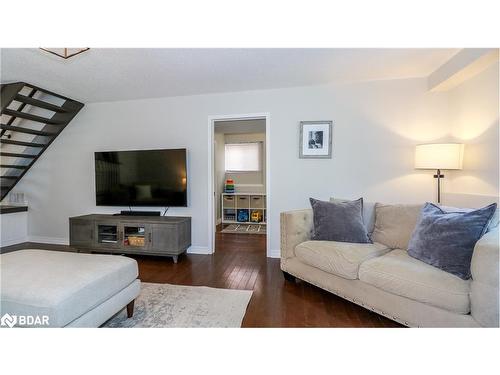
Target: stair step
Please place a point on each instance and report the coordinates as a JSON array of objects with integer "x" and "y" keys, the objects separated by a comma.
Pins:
[
  {"x": 39, "y": 103},
  {"x": 10, "y": 177},
  {"x": 20, "y": 143},
  {"x": 26, "y": 130},
  {"x": 31, "y": 117},
  {"x": 13, "y": 166},
  {"x": 15, "y": 155},
  {"x": 45, "y": 91}
]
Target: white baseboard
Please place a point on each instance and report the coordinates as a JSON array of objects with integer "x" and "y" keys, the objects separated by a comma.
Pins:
[
  {"x": 274, "y": 253},
  {"x": 198, "y": 250},
  {"x": 51, "y": 240},
  {"x": 13, "y": 241}
]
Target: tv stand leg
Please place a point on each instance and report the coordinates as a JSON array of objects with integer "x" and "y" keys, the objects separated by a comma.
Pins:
[{"x": 175, "y": 258}]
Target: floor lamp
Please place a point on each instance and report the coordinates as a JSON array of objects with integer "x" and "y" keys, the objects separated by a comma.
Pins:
[{"x": 439, "y": 156}]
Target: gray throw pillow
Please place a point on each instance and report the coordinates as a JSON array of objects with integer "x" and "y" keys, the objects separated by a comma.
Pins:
[
  {"x": 339, "y": 221},
  {"x": 446, "y": 239}
]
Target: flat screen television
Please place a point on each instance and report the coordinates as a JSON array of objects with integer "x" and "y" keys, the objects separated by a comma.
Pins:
[{"x": 141, "y": 178}]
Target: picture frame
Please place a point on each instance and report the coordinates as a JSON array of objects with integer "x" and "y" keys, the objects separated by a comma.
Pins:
[{"x": 315, "y": 141}]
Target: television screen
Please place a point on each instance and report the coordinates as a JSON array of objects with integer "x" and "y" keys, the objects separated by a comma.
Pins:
[{"x": 141, "y": 178}]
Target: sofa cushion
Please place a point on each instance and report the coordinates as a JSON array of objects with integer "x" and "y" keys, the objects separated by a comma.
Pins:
[
  {"x": 338, "y": 258},
  {"x": 495, "y": 221},
  {"x": 339, "y": 221},
  {"x": 398, "y": 273},
  {"x": 394, "y": 224},
  {"x": 61, "y": 285},
  {"x": 446, "y": 240}
]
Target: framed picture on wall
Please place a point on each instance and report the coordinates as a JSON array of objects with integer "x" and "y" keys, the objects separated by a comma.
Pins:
[{"x": 315, "y": 140}]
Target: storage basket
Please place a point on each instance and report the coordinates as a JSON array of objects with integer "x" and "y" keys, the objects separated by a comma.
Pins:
[
  {"x": 136, "y": 241},
  {"x": 256, "y": 201},
  {"x": 229, "y": 201},
  {"x": 243, "y": 201}
]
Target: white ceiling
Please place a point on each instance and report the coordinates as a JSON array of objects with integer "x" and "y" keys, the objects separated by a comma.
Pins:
[{"x": 121, "y": 74}]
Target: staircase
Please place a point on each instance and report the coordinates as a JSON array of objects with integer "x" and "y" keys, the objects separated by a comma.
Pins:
[{"x": 31, "y": 118}]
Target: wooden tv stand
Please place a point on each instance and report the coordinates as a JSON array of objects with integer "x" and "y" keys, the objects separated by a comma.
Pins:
[{"x": 147, "y": 235}]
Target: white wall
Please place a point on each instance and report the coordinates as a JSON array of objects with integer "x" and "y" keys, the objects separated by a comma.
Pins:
[
  {"x": 14, "y": 228},
  {"x": 474, "y": 108},
  {"x": 376, "y": 126}
]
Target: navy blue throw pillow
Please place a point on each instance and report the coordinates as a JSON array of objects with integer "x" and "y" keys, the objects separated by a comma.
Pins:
[
  {"x": 339, "y": 221},
  {"x": 446, "y": 240}
]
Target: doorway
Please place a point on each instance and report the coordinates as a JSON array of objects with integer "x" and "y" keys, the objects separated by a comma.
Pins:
[{"x": 239, "y": 188}]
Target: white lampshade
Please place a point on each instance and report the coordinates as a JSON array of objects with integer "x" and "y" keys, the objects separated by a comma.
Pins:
[{"x": 439, "y": 156}]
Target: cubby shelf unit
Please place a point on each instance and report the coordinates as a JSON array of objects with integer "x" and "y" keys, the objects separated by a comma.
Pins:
[{"x": 251, "y": 202}]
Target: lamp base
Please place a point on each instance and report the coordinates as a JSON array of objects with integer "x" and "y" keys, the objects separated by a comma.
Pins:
[{"x": 439, "y": 176}]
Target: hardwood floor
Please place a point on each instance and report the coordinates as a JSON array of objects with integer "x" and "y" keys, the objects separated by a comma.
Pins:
[{"x": 240, "y": 262}]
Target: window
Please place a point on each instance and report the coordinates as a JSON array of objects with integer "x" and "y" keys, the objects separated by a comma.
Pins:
[{"x": 243, "y": 157}]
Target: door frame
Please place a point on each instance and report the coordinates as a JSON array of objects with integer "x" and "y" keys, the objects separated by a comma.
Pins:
[{"x": 211, "y": 179}]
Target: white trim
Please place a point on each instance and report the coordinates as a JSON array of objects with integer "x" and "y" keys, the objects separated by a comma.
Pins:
[
  {"x": 199, "y": 250},
  {"x": 211, "y": 186},
  {"x": 248, "y": 185},
  {"x": 49, "y": 240},
  {"x": 274, "y": 253},
  {"x": 13, "y": 241}
]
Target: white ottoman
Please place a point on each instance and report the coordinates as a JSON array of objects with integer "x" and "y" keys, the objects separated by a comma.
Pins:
[{"x": 71, "y": 289}]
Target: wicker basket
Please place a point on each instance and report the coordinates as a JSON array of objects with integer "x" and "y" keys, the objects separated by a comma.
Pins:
[{"x": 136, "y": 241}]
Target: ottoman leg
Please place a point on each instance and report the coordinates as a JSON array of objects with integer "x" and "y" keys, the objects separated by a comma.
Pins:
[{"x": 130, "y": 309}]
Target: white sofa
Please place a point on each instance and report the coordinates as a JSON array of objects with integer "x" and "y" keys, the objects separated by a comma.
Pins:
[
  {"x": 66, "y": 289},
  {"x": 383, "y": 278}
]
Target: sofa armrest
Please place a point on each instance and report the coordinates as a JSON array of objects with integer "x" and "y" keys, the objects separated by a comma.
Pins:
[
  {"x": 296, "y": 227},
  {"x": 484, "y": 286}
]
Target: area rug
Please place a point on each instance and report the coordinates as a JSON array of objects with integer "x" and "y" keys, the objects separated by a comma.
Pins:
[
  {"x": 166, "y": 305},
  {"x": 245, "y": 228}
]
